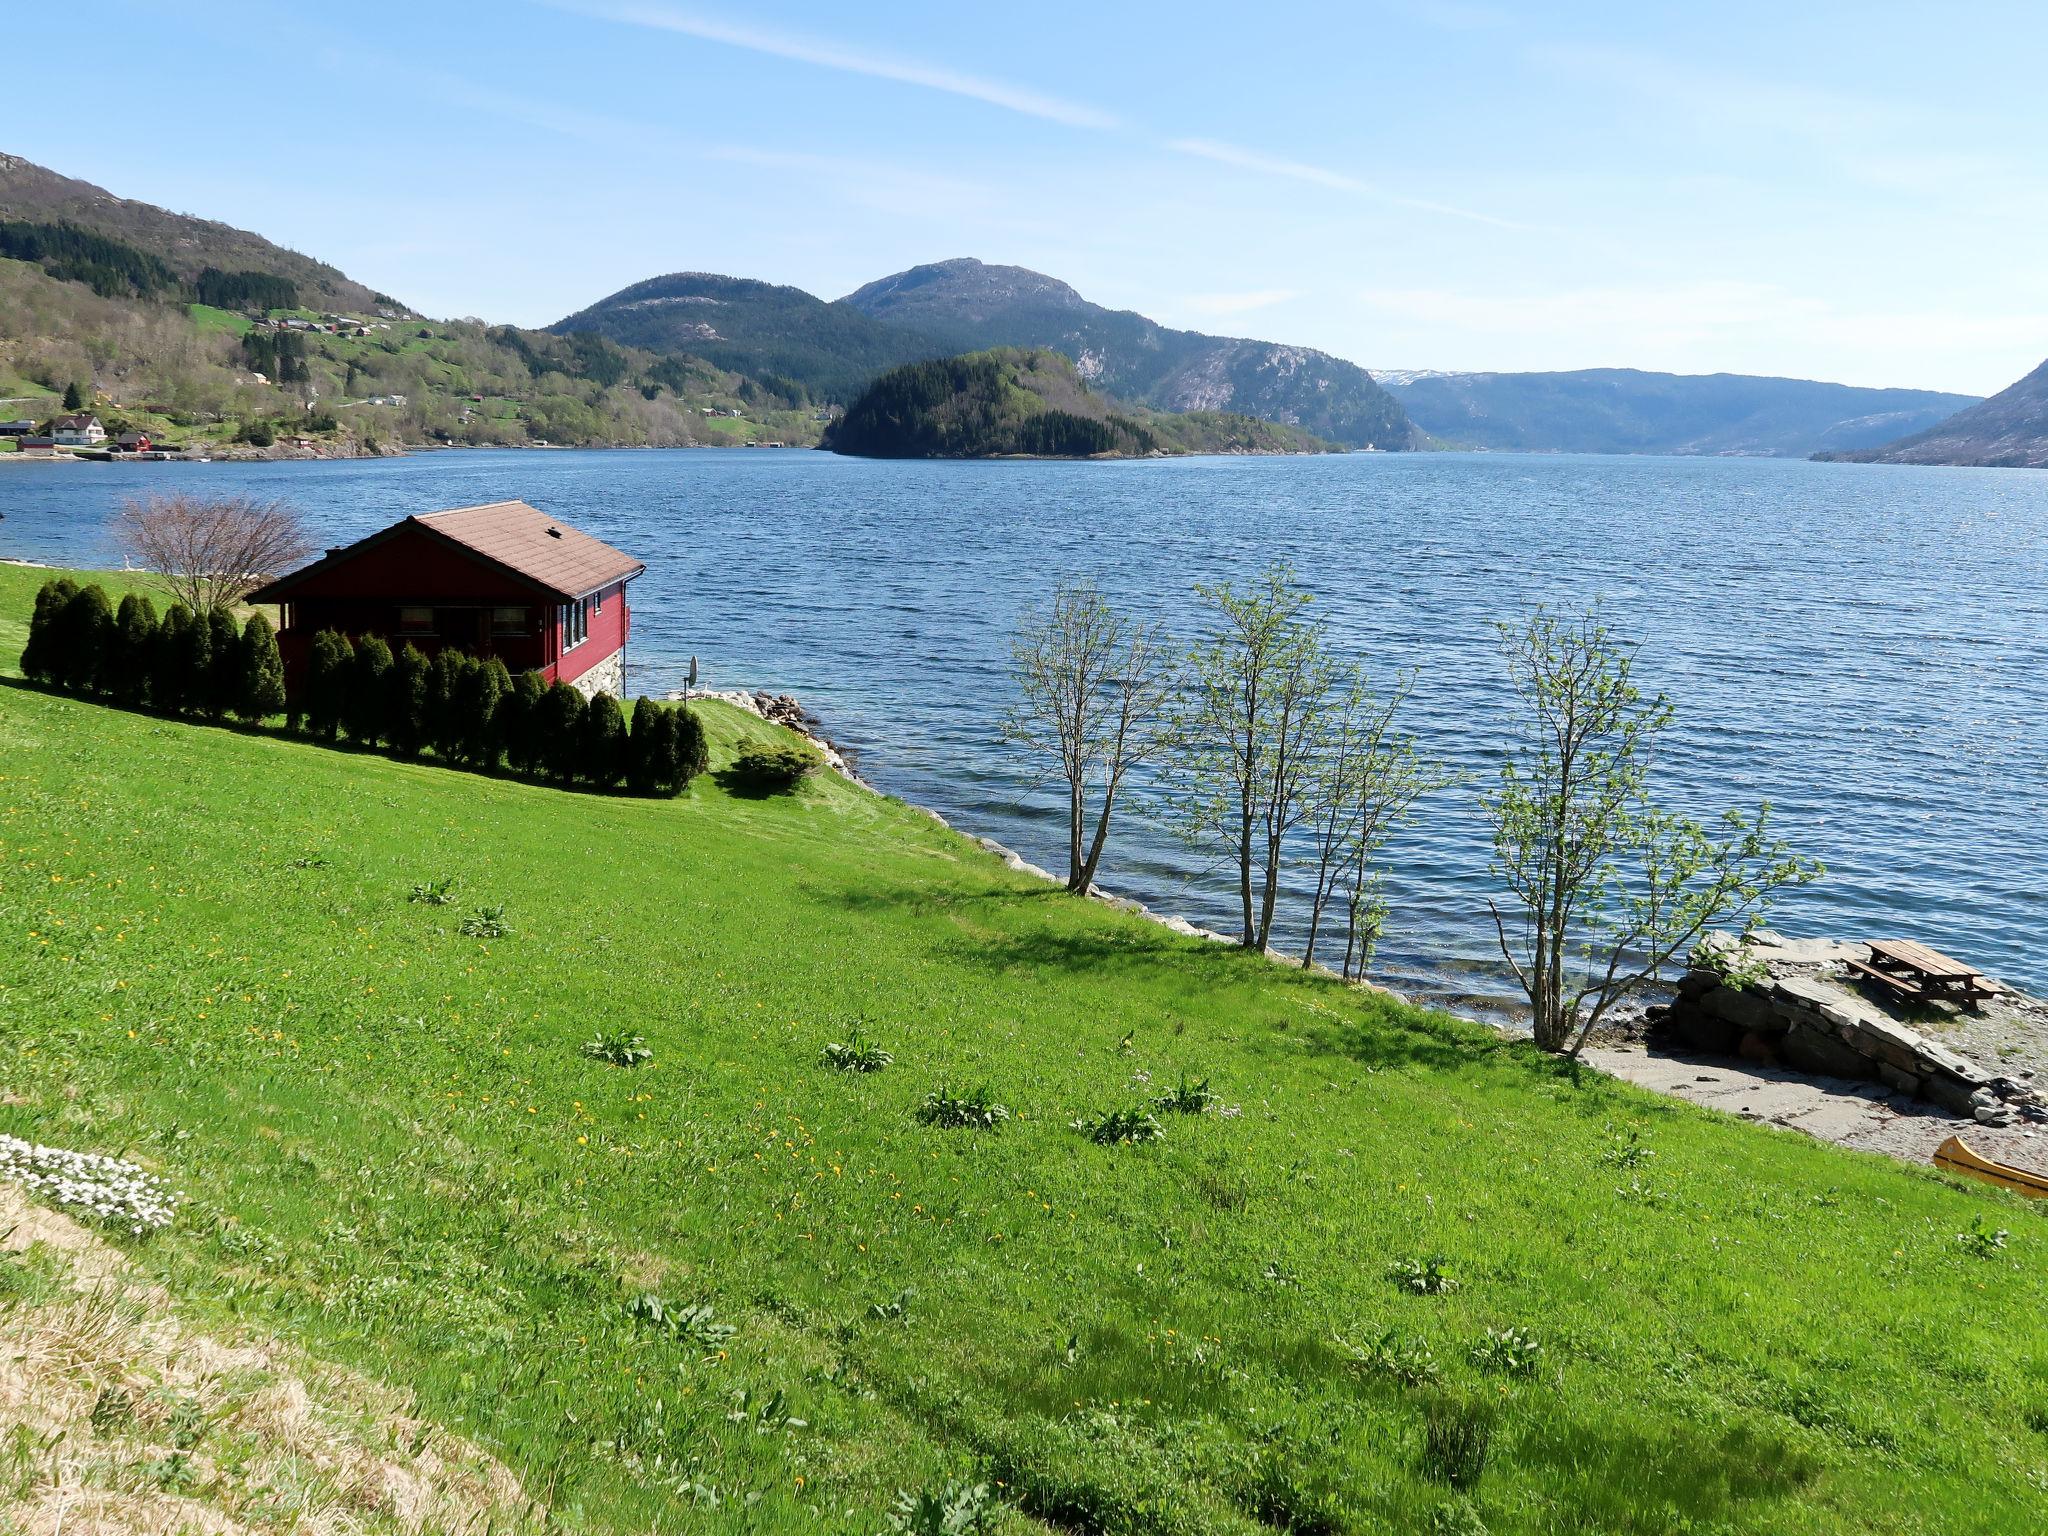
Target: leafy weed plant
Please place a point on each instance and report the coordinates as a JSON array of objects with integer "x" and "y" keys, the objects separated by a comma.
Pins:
[
  {"x": 618, "y": 1047},
  {"x": 857, "y": 1053},
  {"x": 1120, "y": 1127},
  {"x": 1428, "y": 1275},
  {"x": 976, "y": 1110}
]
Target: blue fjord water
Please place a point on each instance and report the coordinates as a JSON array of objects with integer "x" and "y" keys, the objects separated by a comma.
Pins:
[{"x": 1866, "y": 647}]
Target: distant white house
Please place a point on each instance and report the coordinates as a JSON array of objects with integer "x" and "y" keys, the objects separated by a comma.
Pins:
[
  {"x": 385, "y": 400},
  {"x": 78, "y": 431}
]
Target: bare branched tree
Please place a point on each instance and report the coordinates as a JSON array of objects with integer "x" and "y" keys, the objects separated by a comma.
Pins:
[
  {"x": 1368, "y": 778},
  {"x": 1255, "y": 711},
  {"x": 1606, "y": 887},
  {"x": 1095, "y": 687},
  {"x": 211, "y": 552}
]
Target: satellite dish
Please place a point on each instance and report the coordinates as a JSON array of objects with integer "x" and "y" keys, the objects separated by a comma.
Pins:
[{"x": 693, "y": 671}]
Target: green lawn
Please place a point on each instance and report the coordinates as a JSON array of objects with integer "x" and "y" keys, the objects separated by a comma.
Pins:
[
  {"x": 397, "y": 1156},
  {"x": 208, "y": 317}
]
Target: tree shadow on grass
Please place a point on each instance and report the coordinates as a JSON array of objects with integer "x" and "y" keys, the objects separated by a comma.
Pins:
[{"x": 1011, "y": 931}]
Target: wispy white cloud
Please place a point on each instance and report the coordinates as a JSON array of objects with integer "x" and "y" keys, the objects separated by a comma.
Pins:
[
  {"x": 826, "y": 53},
  {"x": 1238, "y": 303},
  {"x": 1263, "y": 164}
]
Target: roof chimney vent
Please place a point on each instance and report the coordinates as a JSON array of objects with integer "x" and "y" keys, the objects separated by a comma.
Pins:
[
  {"x": 554, "y": 533},
  {"x": 336, "y": 550}
]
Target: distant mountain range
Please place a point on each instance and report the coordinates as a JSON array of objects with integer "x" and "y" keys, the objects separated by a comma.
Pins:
[
  {"x": 172, "y": 323},
  {"x": 1622, "y": 410},
  {"x": 2008, "y": 431},
  {"x": 784, "y": 336},
  {"x": 1032, "y": 402}
]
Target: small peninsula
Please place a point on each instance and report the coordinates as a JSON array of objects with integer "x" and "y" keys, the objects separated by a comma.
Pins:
[{"x": 1029, "y": 402}]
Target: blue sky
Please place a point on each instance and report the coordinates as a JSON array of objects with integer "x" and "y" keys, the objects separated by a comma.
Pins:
[{"x": 1839, "y": 191}]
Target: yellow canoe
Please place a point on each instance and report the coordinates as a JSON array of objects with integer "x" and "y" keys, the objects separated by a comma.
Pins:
[{"x": 1952, "y": 1156}]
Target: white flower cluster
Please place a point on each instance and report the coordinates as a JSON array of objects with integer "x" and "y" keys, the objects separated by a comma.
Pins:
[{"x": 108, "y": 1189}]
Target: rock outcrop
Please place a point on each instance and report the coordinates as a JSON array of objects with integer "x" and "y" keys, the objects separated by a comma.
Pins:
[{"x": 1791, "y": 1002}]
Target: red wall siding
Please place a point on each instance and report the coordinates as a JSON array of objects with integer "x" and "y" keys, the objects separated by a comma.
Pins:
[
  {"x": 363, "y": 595},
  {"x": 608, "y": 630}
]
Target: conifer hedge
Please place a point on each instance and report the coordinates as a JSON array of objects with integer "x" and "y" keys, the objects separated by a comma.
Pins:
[{"x": 469, "y": 710}]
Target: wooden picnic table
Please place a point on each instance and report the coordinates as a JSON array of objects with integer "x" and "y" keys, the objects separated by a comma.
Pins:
[{"x": 1918, "y": 974}]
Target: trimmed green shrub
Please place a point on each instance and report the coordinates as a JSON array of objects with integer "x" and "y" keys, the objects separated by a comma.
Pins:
[
  {"x": 647, "y": 747},
  {"x": 260, "y": 692},
  {"x": 406, "y": 722},
  {"x": 519, "y": 722},
  {"x": 130, "y": 658},
  {"x": 223, "y": 664},
  {"x": 192, "y": 662},
  {"x": 774, "y": 767},
  {"x": 364, "y": 712},
  {"x": 693, "y": 752},
  {"x": 167, "y": 681},
  {"x": 444, "y": 731},
  {"x": 604, "y": 742},
  {"x": 39, "y": 656},
  {"x": 560, "y": 720},
  {"x": 475, "y": 704},
  {"x": 80, "y": 634},
  {"x": 328, "y": 666}
]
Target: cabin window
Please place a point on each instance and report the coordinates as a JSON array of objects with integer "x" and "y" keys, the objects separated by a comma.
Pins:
[
  {"x": 415, "y": 621},
  {"x": 508, "y": 621},
  {"x": 575, "y": 621}
]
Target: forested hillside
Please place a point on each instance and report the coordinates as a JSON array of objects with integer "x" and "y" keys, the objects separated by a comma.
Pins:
[
  {"x": 213, "y": 338},
  {"x": 967, "y": 304},
  {"x": 788, "y": 339},
  {"x": 185, "y": 245},
  {"x": 1014, "y": 401},
  {"x": 2008, "y": 431}
]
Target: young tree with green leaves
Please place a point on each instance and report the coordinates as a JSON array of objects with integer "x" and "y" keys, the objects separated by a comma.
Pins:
[
  {"x": 74, "y": 397},
  {"x": 261, "y": 693},
  {"x": 1095, "y": 687},
  {"x": 1605, "y": 888},
  {"x": 330, "y": 663},
  {"x": 1368, "y": 778},
  {"x": 367, "y": 688},
  {"x": 1248, "y": 734}
]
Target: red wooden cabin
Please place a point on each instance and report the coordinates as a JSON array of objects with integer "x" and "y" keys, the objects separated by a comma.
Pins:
[{"x": 501, "y": 580}]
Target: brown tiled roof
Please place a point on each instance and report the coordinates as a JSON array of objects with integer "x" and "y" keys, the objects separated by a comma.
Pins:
[
  {"x": 525, "y": 539},
  {"x": 510, "y": 534}
]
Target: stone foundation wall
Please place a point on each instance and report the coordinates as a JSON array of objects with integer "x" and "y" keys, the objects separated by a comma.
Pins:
[
  {"x": 608, "y": 676},
  {"x": 1788, "y": 1008}
]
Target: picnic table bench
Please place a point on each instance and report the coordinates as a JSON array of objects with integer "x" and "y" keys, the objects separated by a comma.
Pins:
[{"x": 1914, "y": 973}]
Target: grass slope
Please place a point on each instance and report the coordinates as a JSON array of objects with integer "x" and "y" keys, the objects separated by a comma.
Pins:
[{"x": 398, "y": 1157}]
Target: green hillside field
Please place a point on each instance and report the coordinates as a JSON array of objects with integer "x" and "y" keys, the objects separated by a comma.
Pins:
[{"x": 397, "y": 1157}]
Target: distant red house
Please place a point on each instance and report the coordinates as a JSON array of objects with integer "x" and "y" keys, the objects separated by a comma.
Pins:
[{"x": 501, "y": 580}]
